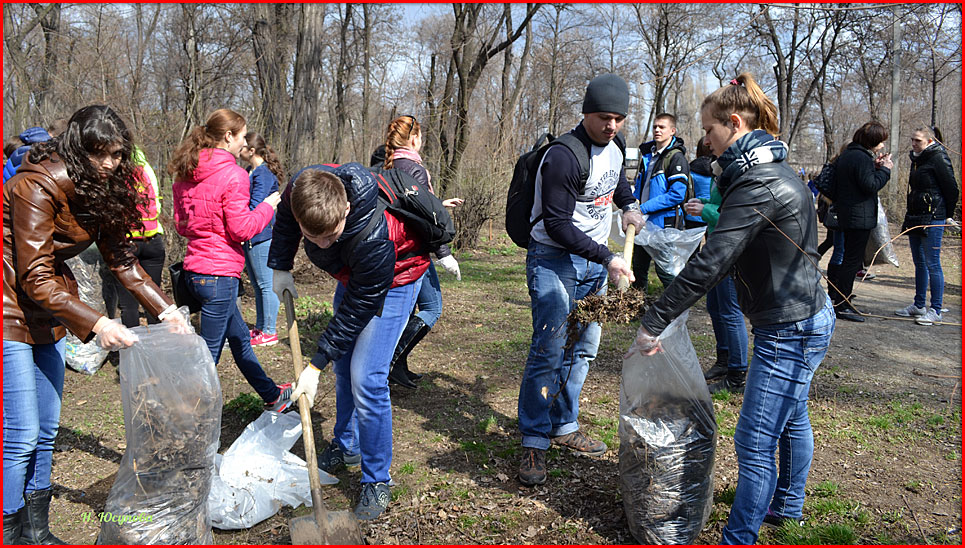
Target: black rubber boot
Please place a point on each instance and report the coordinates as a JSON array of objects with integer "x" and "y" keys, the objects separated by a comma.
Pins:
[
  {"x": 719, "y": 368},
  {"x": 399, "y": 373},
  {"x": 34, "y": 517},
  {"x": 11, "y": 528},
  {"x": 733, "y": 382}
]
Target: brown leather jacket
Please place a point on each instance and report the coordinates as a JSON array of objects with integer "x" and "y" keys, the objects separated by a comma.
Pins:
[{"x": 40, "y": 232}]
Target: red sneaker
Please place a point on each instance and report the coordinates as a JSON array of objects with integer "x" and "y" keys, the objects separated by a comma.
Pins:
[
  {"x": 264, "y": 339},
  {"x": 253, "y": 333}
]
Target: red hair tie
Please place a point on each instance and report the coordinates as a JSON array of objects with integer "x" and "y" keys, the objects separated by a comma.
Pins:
[{"x": 734, "y": 82}]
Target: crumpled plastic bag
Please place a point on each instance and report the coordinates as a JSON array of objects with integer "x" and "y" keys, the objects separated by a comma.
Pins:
[
  {"x": 668, "y": 437},
  {"x": 86, "y": 358},
  {"x": 172, "y": 418},
  {"x": 880, "y": 239},
  {"x": 670, "y": 248},
  {"x": 258, "y": 475}
]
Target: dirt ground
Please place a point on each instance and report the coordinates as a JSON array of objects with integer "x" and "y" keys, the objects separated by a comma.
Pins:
[{"x": 885, "y": 405}]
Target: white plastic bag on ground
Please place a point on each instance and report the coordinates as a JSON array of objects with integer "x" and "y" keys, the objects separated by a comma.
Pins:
[
  {"x": 668, "y": 436},
  {"x": 258, "y": 474},
  {"x": 86, "y": 358},
  {"x": 172, "y": 419},
  {"x": 670, "y": 248},
  {"x": 881, "y": 236}
]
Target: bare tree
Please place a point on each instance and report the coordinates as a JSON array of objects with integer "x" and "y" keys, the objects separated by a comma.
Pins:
[
  {"x": 301, "y": 138},
  {"x": 270, "y": 39}
]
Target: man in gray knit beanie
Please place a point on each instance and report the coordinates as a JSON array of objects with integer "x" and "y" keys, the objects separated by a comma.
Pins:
[{"x": 607, "y": 93}]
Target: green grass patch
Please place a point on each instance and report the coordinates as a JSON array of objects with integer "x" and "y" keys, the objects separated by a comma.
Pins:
[
  {"x": 726, "y": 496},
  {"x": 488, "y": 425},
  {"x": 246, "y": 407},
  {"x": 831, "y": 507},
  {"x": 827, "y": 489},
  {"x": 406, "y": 468}
]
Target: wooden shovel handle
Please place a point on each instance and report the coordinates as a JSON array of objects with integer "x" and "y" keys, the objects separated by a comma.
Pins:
[{"x": 624, "y": 283}]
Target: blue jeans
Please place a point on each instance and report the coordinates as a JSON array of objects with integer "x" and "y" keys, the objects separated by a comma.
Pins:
[
  {"x": 775, "y": 415},
  {"x": 266, "y": 302},
  {"x": 33, "y": 384},
  {"x": 926, "y": 254},
  {"x": 837, "y": 254},
  {"x": 728, "y": 321},
  {"x": 220, "y": 320},
  {"x": 430, "y": 298},
  {"x": 363, "y": 411},
  {"x": 549, "y": 395}
]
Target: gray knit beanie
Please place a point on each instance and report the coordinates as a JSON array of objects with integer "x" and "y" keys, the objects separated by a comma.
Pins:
[{"x": 607, "y": 93}]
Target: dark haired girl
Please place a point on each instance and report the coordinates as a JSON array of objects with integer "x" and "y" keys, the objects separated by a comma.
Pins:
[
  {"x": 71, "y": 191},
  {"x": 264, "y": 176}
]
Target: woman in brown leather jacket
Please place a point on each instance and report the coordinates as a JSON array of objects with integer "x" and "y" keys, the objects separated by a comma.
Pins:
[{"x": 71, "y": 191}]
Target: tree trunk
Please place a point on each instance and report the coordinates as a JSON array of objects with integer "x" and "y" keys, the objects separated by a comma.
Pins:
[
  {"x": 268, "y": 32},
  {"x": 308, "y": 64},
  {"x": 341, "y": 76}
]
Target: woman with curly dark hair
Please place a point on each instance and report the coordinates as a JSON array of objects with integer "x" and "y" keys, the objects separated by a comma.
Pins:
[
  {"x": 71, "y": 191},
  {"x": 264, "y": 176}
]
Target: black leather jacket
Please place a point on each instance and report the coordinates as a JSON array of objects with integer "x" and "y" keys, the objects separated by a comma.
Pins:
[{"x": 766, "y": 214}]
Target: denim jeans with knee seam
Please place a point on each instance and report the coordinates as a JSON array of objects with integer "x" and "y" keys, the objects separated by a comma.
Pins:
[
  {"x": 33, "y": 386},
  {"x": 430, "y": 298},
  {"x": 363, "y": 410},
  {"x": 266, "y": 302},
  {"x": 774, "y": 417},
  {"x": 549, "y": 395},
  {"x": 926, "y": 254},
  {"x": 220, "y": 320},
  {"x": 728, "y": 321}
]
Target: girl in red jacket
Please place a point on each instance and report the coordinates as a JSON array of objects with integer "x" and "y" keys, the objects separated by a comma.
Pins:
[{"x": 211, "y": 210}]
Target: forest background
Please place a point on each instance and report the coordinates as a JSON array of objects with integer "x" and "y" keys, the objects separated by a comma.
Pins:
[{"x": 322, "y": 81}]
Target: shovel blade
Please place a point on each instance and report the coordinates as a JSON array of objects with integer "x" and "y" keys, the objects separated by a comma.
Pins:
[{"x": 328, "y": 528}]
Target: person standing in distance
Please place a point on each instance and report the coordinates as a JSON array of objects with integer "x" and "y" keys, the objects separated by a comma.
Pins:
[{"x": 567, "y": 260}]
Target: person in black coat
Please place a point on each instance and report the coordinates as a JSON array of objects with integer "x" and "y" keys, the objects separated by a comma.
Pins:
[
  {"x": 860, "y": 172},
  {"x": 932, "y": 197}
]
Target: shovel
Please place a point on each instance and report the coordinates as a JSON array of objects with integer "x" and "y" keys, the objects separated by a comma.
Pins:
[
  {"x": 321, "y": 526},
  {"x": 624, "y": 283}
]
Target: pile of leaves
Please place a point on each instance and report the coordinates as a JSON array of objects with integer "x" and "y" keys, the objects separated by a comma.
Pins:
[{"x": 612, "y": 308}]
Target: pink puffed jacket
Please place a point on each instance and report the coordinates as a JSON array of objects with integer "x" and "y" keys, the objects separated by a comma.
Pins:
[{"x": 211, "y": 211}]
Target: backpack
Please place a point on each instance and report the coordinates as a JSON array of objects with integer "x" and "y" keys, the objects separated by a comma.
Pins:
[
  {"x": 824, "y": 182},
  {"x": 522, "y": 187},
  {"x": 400, "y": 195}
]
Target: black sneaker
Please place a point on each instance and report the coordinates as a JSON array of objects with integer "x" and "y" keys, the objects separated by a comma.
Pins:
[
  {"x": 532, "y": 468},
  {"x": 733, "y": 382},
  {"x": 334, "y": 459},
  {"x": 373, "y": 501}
]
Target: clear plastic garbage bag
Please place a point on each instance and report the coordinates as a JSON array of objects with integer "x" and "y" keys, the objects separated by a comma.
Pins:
[
  {"x": 670, "y": 248},
  {"x": 172, "y": 418},
  {"x": 880, "y": 236},
  {"x": 86, "y": 358},
  {"x": 258, "y": 475},
  {"x": 668, "y": 436}
]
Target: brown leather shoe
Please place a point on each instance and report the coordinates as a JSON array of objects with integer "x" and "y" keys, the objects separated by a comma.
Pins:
[{"x": 578, "y": 443}]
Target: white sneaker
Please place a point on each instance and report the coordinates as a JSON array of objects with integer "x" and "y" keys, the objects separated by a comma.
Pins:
[
  {"x": 929, "y": 318},
  {"x": 910, "y": 310}
]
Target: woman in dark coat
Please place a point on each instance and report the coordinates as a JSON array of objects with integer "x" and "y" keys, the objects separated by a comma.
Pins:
[
  {"x": 860, "y": 172},
  {"x": 932, "y": 196}
]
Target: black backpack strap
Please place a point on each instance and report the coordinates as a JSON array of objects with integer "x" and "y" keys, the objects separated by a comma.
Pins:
[
  {"x": 349, "y": 246},
  {"x": 578, "y": 149}
]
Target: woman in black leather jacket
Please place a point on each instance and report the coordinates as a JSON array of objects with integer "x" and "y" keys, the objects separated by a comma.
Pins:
[
  {"x": 859, "y": 173},
  {"x": 932, "y": 197},
  {"x": 766, "y": 236}
]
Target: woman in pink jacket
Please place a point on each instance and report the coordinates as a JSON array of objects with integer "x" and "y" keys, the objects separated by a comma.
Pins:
[{"x": 211, "y": 211}]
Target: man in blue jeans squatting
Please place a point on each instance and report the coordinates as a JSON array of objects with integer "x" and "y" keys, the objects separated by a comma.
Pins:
[
  {"x": 567, "y": 260},
  {"x": 379, "y": 265}
]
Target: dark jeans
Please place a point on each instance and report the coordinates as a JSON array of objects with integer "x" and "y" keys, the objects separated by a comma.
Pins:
[
  {"x": 855, "y": 242},
  {"x": 150, "y": 253},
  {"x": 220, "y": 320}
]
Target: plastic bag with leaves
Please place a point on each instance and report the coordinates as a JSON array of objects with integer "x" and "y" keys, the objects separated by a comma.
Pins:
[
  {"x": 172, "y": 419},
  {"x": 668, "y": 436}
]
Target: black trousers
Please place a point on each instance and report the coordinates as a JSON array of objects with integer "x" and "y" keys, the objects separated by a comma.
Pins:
[
  {"x": 855, "y": 242},
  {"x": 150, "y": 253}
]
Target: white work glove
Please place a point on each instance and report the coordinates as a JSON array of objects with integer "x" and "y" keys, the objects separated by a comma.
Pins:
[
  {"x": 112, "y": 335},
  {"x": 307, "y": 384},
  {"x": 451, "y": 265},
  {"x": 952, "y": 222},
  {"x": 282, "y": 280},
  {"x": 635, "y": 218},
  {"x": 177, "y": 320},
  {"x": 645, "y": 343}
]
